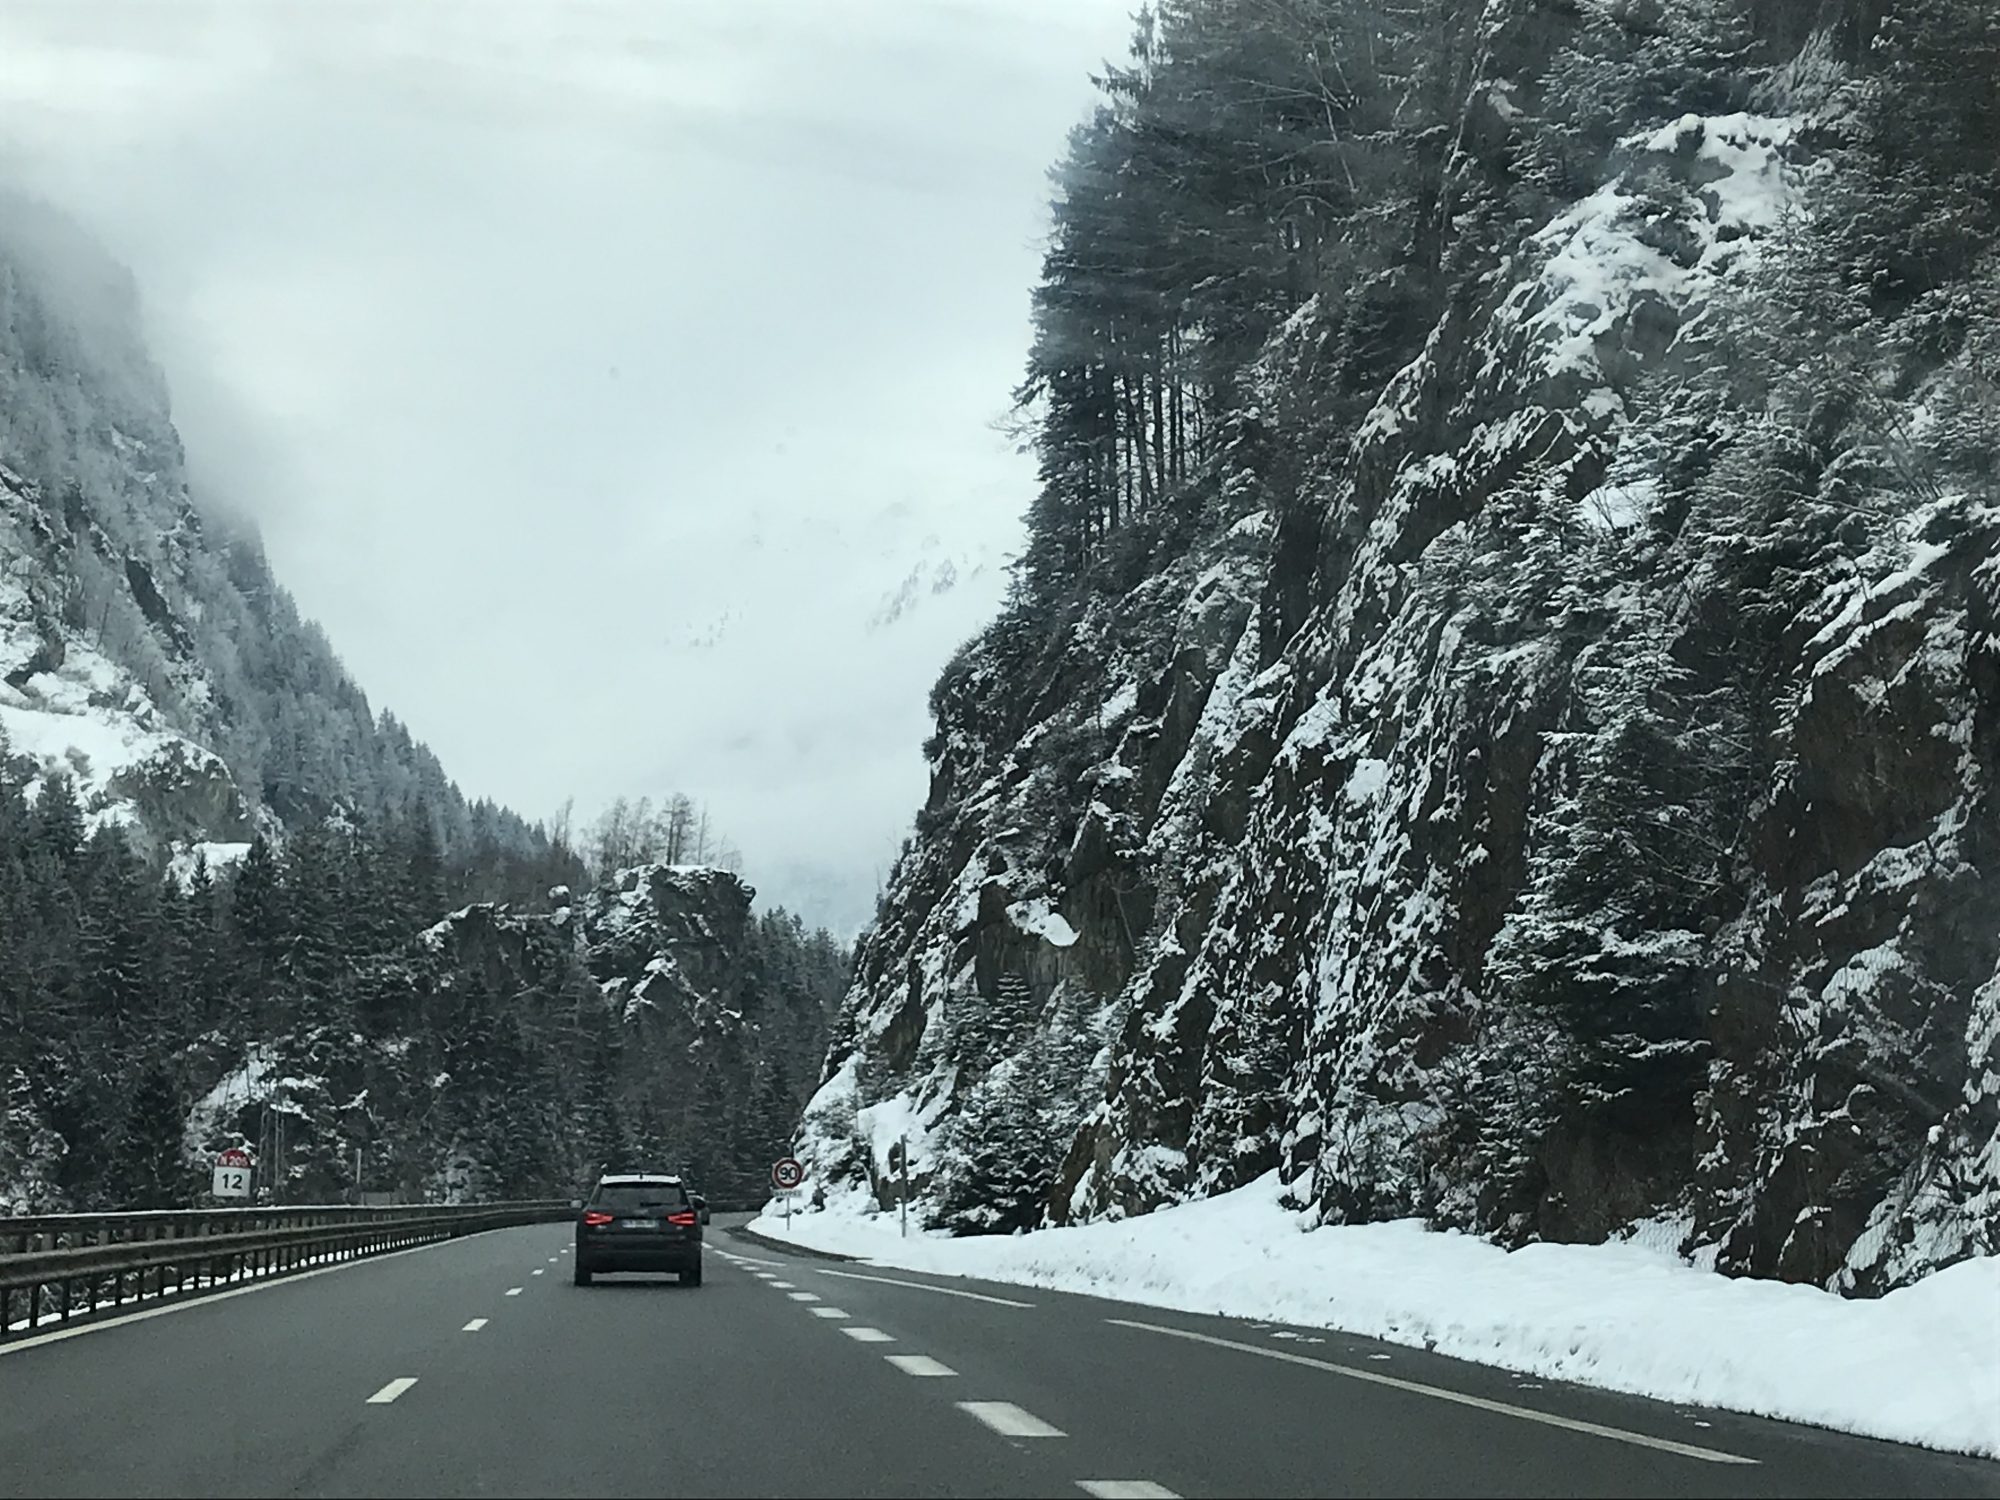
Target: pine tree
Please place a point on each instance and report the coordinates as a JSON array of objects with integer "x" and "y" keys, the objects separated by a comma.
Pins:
[
  {"x": 150, "y": 1146},
  {"x": 424, "y": 896},
  {"x": 57, "y": 827},
  {"x": 318, "y": 906},
  {"x": 257, "y": 914},
  {"x": 208, "y": 984},
  {"x": 121, "y": 946}
]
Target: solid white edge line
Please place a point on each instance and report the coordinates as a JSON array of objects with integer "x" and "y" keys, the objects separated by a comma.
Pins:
[
  {"x": 1007, "y": 1419},
  {"x": 474, "y": 1326},
  {"x": 1501, "y": 1408},
  {"x": 203, "y": 1299},
  {"x": 925, "y": 1286},
  {"x": 1126, "y": 1489},
  {"x": 391, "y": 1391},
  {"x": 919, "y": 1364}
]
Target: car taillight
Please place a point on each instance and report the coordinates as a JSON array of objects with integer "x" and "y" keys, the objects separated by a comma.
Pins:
[
  {"x": 596, "y": 1219},
  {"x": 685, "y": 1217}
]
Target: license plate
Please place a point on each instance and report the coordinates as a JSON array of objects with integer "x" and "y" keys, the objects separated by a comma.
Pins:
[{"x": 641, "y": 1224}]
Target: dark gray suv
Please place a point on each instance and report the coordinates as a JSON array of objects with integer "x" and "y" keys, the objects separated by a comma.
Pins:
[{"x": 640, "y": 1221}]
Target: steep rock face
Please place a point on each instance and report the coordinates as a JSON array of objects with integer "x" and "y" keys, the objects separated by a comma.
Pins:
[
  {"x": 1557, "y": 800},
  {"x": 666, "y": 936},
  {"x": 511, "y": 1053}
]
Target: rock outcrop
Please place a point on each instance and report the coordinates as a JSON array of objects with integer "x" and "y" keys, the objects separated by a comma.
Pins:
[{"x": 1546, "y": 788}]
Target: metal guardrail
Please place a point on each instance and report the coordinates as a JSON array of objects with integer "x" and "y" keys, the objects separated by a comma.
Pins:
[{"x": 62, "y": 1267}]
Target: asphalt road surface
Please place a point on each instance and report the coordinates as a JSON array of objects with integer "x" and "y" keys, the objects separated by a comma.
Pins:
[{"x": 475, "y": 1367}]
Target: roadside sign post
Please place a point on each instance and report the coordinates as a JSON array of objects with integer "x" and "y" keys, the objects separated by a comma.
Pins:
[
  {"x": 786, "y": 1175},
  {"x": 906, "y": 1184},
  {"x": 232, "y": 1174}
]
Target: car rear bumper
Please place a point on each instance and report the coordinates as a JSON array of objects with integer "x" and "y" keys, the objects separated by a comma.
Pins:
[{"x": 683, "y": 1257}]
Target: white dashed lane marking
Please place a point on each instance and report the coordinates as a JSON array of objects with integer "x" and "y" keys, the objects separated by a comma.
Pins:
[
  {"x": 826, "y": 1312},
  {"x": 474, "y": 1326},
  {"x": 1126, "y": 1489},
  {"x": 869, "y": 1335},
  {"x": 1007, "y": 1419},
  {"x": 925, "y": 1286},
  {"x": 392, "y": 1390},
  {"x": 513, "y": 1291},
  {"x": 783, "y": 1286},
  {"x": 536, "y": 1272},
  {"x": 1502, "y": 1408},
  {"x": 918, "y": 1364},
  {"x": 803, "y": 1296}
]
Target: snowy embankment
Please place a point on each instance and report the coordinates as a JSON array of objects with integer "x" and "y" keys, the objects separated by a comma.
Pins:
[{"x": 1921, "y": 1365}]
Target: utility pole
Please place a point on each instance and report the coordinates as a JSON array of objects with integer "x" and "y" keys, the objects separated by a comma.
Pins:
[{"x": 264, "y": 1159}]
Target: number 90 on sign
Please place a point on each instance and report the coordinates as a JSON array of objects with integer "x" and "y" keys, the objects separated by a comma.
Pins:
[{"x": 231, "y": 1182}]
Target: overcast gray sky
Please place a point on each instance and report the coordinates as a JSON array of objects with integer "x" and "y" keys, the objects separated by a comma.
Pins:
[{"x": 613, "y": 380}]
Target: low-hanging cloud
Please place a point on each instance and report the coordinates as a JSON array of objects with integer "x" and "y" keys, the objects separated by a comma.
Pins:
[{"x": 599, "y": 373}]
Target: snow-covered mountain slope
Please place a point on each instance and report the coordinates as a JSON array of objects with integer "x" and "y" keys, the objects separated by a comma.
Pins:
[
  {"x": 69, "y": 708},
  {"x": 144, "y": 646},
  {"x": 1540, "y": 790}
]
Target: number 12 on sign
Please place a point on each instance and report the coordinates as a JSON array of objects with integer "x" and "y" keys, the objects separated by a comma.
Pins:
[{"x": 231, "y": 1182}]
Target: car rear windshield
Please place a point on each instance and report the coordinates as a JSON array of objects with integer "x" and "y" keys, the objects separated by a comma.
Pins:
[{"x": 632, "y": 1197}]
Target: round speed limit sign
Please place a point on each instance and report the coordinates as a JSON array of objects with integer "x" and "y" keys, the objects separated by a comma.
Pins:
[{"x": 787, "y": 1174}]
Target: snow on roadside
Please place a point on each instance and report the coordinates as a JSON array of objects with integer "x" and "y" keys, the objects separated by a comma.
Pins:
[{"x": 1921, "y": 1365}]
